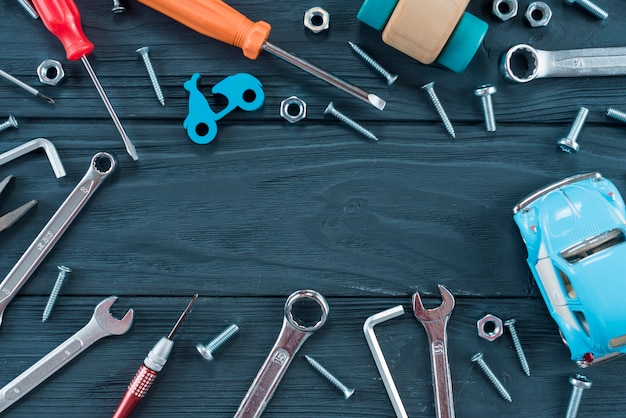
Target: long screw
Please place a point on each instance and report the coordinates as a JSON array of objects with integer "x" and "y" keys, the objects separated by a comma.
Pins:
[
  {"x": 63, "y": 270},
  {"x": 330, "y": 109},
  {"x": 11, "y": 122},
  {"x": 510, "y": 324},
  {"x": 569, "y": 144},
  {"x": 347, "y": 392},
  {"x": 143, "y": 51},
  {"x": 207, "y": 350},
  {"x": 29, "y": 8},
  {"x": 391, "y": 78},
  {"x": 478, "y": 358},
  {"x": 430, "y": 90},
  {"x": 579, "y": 383},
  {"x": 484, "y": 92},
  {"x": 117, "y": 7},
  {"x": 616, "y": 114},
  {"x": 591, "y": 7}
]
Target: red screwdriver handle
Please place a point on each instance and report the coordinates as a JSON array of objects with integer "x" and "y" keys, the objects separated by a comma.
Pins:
[
  {"x": 62, "y": 18},
  {"x": 137, "y": 389}
]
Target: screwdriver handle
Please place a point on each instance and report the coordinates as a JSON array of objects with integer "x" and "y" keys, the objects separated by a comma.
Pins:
[
  {"x": 217, "y": 20},
  {"x": 137, "y": 389},
  {"x": 62, "y": 18}
]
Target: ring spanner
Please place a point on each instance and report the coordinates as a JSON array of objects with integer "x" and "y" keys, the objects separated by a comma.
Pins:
[
  {"x": 101, "y": 325},
  {"x": 292, "y": 336},
  {"x": 102, "y": 165}
]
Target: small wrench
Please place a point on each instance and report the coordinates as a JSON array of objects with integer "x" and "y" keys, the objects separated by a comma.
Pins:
[
  {"x": 101, "y": 325},
  {"x": 292, "y": 336},
  {"x": 435, "y": 321},
  {"x": 102, "y": 165},
  {"x": 567, "y": 63}
]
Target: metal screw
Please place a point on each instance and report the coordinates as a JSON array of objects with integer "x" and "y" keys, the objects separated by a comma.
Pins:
[
  {"x": 11, "y": 122},
  {"x": 510, "y": 324},
  {"x": 484, "y": 92},
  {"x": 347, "y": 392},
  {"x": 155, "y": 83},
  {"x": 29, "y": 8},
  {"x": 616, "y": 114},
  {"x": 591, "y": 7},
  {"x": 478, "y": 358},
  {"x": 391, "y": 78},
  {"x": 430, "y": 90},
  {"x": 117, "y": 7},
  {"x": 579, "y": 383},
  {"x": 207, "y": 350},
  {"x": 569, "y": 144},
  {"x": 330, "y": 109},
  {"x": 55, "y": 291}
]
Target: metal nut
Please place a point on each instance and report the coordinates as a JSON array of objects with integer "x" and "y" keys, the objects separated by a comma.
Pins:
[
  {"x": 489, "y": 327},
  {"x": 50, "y": 72},
  {"x": 538, "y": 14},
  {"x": 293, "y": 109},
  {"x": 316, "y": 19},
  {"x": 504, "y": 9}
]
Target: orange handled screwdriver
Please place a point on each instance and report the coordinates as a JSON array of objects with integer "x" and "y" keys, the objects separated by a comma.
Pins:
[
  {"x": 62, "y": 18},
  {"x": 217, "y": 20}
]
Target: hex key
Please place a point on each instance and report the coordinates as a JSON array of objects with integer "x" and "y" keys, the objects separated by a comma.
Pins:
[{"x": 51, "y": 152}]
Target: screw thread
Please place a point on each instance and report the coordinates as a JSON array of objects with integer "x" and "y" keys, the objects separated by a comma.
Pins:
[
  {"x": 11, "y": 122},
  {"x": 578, "y": 123},
  {"x": 55, "y": 292},
  {"x": 373, "y": 63},
  {"x": 574, "y": 403},
  {"x": 490, "y": 120},
  {"x": 349, "y": 122},
  {"x": 593, "y": 8},
  {"x": 29, "y": 8},
  {"x": 332, "y": 379},
  {"x": 152, "y": 75},
  {"x": 616, "y": 114},
  {"x": 221, "y": 338},
  {"x": 430, "y": 90},
  {"x": 493, "y": 379},
  {"x": 518, "y": 348}
]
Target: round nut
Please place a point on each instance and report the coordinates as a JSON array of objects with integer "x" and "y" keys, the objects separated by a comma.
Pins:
[
  {"x": 489, "y": 327},
  {"x": 316, "y": 19},
  {"x": 538, "y": 14},
  {"x": 504, "y": 9},
  {"x": 50, "y": 72},
  {"x": 293, "y": 109}
]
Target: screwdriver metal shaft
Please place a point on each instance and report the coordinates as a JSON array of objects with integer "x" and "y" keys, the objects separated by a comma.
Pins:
[{"x": 25, "y": 86}]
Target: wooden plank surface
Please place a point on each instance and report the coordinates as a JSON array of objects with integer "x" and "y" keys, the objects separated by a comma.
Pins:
[{"x": 269, "y": 207}]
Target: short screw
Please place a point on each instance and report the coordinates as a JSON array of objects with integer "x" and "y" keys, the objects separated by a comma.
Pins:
[
  {"x": 510, "y": 324},
  {"x": 347, "y": 392},
  {"x": 616, "y": 114},
  {"x": 478, "y": 358},
  {"x": 207, "y": 350},
  {"x": 569, "y": 144},
  {"x": 484, "y": 92},
  {"x": 330, "y": 109},
  {"x": 579, "y": 383},
  {"x": 55, "y": 291},
  {"x": 155, "y": 83},
  {"x": 591, "y": 7},
  {"x": 430, "y": 90},
  {"x": 391, "y": 78},
  {"x": 29, "y": 8},
  {"x": 11, "y": 122},
  {"x": 117, "y": 7}
]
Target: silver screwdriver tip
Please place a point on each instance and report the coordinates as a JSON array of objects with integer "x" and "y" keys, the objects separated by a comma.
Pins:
[
  {"x": 46, "y": 98},
  {"x": 376, "y": 101},
  {"x": 130, "y": 149}
]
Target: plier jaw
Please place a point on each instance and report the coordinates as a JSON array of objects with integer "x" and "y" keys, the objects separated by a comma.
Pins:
[{"x": 10, "y": 218}]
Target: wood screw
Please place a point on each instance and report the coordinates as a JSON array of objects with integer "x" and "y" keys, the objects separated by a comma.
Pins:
[
  {"x": 55, "y": 291},
  {"x": 391, "y": 78},
  {"x": 430, "y": 90},
  {"x": 579, "y": 383},
  {"x": 143, "y": 51},
  {"x": 207, "y": 350},
  {"x": 569, "y": 144},
  {"x": 11, "y": 122},
  {"x": 616, "y": 114},
  {"x": 591, "y": 7},
  {"x": 117, "y": 7},
  {"x": 510, "y": 324},
  {"x": 347, "y": 392},
  {"x": 330, "y": 109},
  {"x": 478, "y": 358},
  {"x": 29, "y": 8},
  {"x": 484, "y": 92}
]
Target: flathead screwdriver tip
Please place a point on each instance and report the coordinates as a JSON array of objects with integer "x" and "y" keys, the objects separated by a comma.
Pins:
[
  {"x": 376, "y": 101},
  {"x": 182, "y": 317},
  {"x": 46, "y": 98}
]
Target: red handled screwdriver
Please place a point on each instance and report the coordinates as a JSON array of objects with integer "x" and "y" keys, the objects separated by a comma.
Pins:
[
  {"x": 149, "y": 370},
  {"x": 62, "y": 18}
]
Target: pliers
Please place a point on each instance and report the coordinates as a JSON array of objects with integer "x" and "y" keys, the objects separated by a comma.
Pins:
[{"x": 10, "y": 218}]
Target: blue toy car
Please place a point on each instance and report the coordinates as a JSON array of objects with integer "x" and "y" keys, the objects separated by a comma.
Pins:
[{"x": 574, "y": 231}]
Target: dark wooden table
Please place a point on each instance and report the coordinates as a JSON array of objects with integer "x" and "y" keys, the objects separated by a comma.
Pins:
[{"x": 269, "y": 208}]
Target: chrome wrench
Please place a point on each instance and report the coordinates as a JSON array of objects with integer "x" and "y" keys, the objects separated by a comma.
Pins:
[
  {"x": 102, "y": 165},
  {"x": 101, "y": 325},
  {"x": 567, "y": 63},
  {"x": 292, "y": 336},
  {"x": 435, "y": 321}
]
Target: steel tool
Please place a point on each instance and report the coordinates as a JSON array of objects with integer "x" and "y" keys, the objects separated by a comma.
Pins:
[
  {"x": 102, "y": 165},
  {"x": 10, "y": 218},
  {"x": 567, "y": 63},
  {"x": 435, "y": 321},
  {"x": 292, "y": 336},
  {"x": 25, "y": 86},
  {"x": 102, "y": 324},
  {"x": 48, "y": 147}
]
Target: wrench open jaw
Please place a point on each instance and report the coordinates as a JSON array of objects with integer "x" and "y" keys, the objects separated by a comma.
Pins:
[
  {"x": 109, "y": 323},
  {"x": 442, "y": 311}
]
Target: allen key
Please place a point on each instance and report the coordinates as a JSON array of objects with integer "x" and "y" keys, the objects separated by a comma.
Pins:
[{"x": 48, "y": 147}]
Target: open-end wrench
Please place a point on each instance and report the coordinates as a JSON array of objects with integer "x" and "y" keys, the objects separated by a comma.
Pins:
[
  {"x": 292, "y": 336},
  {"x": 523, "y": 63},
  {"x": 101, "y": 325},
  {"x": 435, "y": 321},
  {"x": 102, "y": 165}
]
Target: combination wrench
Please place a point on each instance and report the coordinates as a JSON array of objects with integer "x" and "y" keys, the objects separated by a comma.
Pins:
[
  {"x": 292, "y": 336},
  {"x": 102, "y": 324},
  {"x": 102, "y": 165}
]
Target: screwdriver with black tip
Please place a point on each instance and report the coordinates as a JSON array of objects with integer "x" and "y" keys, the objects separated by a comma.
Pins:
[{"x": 62, "y": 18}]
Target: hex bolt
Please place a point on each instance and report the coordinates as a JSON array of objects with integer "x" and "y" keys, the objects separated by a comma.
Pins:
[
  {"x": 616, "y": 114},
  {"x": 207, "y": 350},
  {"x": 391, "y": 78},
  {"x": 569, "y": 144},
  {"x": 589, "y": 6},
  {"x": 347, "y": 392},
  {"x": 430, "y": 90},
  {"x": 330, "y": 109},
  {"x": 484, "y": 92},
  {"x": 478, "y": 358},
  {"x": 579, "y": 383},
  {"x": 30, "y": 9},
  {"x": 117, "y": 7},
  {"x": 510, "y": 324},
  {"x": 63, "y": 270},
  {"x": 11, "y": 122},
  {"x": 143, "y": 51}
]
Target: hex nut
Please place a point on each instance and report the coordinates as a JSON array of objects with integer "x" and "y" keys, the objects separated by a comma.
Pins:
[
  {"x": 485, "y": 325},
  {"x": 293, "y": 109},
  {"x": 316, "y": 19},
  {"x": 538, "y": 14},
  {"x": 50, "y": 72},
  {"x": 504, "y": 9}
]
